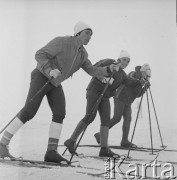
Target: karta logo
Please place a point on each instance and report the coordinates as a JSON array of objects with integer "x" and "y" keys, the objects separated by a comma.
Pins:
[{"x": 153, "y": 170}]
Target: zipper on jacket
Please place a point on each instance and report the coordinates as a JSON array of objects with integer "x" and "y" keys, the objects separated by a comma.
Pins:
[{"x": 75, "y": 57}]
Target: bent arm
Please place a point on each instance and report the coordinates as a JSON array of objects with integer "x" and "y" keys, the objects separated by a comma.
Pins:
[
  {"x": 131, "y": 82},
  {"x": 45, "y": 55}
]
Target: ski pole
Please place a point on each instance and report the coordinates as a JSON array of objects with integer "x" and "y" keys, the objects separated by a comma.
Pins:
[
  {"x": 41, "y": 89},
  {"x": 135, "y": 125},
  {"x": 94, "y": 109},
  {"x": 90, "y": 115},
  {"x": 149, "y": 121},
  {"x": 141, "y": 93},
  {"x": 156, "y": 117}
]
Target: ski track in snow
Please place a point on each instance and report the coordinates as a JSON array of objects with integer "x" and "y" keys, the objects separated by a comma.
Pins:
[{"x": 31, "y": 141}]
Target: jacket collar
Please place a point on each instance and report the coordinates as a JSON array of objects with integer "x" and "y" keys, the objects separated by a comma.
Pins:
[{"x": 77, "y": 42}]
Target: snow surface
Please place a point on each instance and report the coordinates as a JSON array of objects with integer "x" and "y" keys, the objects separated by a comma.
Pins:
[
  {"x": 31, "y": 141},
  {"x": 145, "y": 28}
]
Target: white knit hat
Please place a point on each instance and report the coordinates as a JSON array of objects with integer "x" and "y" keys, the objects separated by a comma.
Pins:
[
  {"x": 124, "y": 54},
  {"x": 146, "y": 68},
  {"x": 80, "y": 26}
]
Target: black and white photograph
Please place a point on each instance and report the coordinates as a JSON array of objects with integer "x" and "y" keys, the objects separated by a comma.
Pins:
[{"x": 88, "y": 89}]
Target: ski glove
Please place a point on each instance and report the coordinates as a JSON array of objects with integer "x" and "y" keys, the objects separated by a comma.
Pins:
[
  {"x": 142, "y": 81},
  {"x": 145, "y": 82},
  {"x": 55, "y": 73},
  {"x": 106, "y": 80},
  {"x": 115, "y": 66}
]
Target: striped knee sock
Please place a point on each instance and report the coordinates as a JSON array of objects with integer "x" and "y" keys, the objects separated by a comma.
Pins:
[
  {"x": 11, "y": 130},
  {"x": 54, "y": 135}
]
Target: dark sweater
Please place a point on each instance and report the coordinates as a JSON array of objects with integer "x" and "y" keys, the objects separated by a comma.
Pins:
[
  {"x": 128, "y": 94},
  {"x": 119, "y": 77}
]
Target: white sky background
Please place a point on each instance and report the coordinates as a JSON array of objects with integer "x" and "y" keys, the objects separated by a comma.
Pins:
[{"x": 146, "y": 28}]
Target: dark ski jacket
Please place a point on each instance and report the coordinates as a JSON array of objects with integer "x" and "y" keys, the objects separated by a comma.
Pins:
[
  {"x": 120, "y": 77},
  {"x": 128, "y": 94}
]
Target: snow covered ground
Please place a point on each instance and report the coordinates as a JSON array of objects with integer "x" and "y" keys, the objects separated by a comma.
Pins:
[
  {"x": 31, "y": 141},
  {"x": 147, "y": 29}
]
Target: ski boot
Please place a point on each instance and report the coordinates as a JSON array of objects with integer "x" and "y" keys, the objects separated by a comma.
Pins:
[
  {"x": 106, "y": 152},
  {"x": 70, "y": 144},
  {"x": 4, "y": 152},
  {"x": 128, "y": 144},
  {"x": 55, "y": 157}
]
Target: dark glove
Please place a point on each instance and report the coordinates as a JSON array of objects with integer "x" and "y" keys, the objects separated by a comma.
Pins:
[
  {"x": 147, "y": 84},
  {"x": 142, "y": 81}
]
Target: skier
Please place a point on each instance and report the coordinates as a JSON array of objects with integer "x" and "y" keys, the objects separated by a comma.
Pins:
[
  {"x": 56, "y": 61},
  {"x": 123, "y": 98},
  {"x": 94, "y": 90}
]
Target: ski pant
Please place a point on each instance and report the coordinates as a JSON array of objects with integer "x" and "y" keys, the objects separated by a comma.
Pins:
[
  {"x": 55, "y": 97},
  {"x": 103, "y": 108},
  {"x": 121, "y": 109}
]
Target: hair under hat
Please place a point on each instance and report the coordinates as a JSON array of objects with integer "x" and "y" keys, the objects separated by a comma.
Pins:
[
  {"x": 124, "y": 54},
  {"x": 80, "y": 26}
]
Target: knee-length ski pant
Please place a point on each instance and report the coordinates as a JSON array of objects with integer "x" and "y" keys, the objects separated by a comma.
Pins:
[
  {"x": 55, "y": 97},
  {"x": 103, "y": 108},
  {"x": 121, "y": 110}
]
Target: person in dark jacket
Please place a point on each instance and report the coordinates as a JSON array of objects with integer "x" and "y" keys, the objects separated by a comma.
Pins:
[
  {"x": 56, "y": 62},
  {"x": 123, "y": 98},
  {"x": 94, "y": 90}
]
